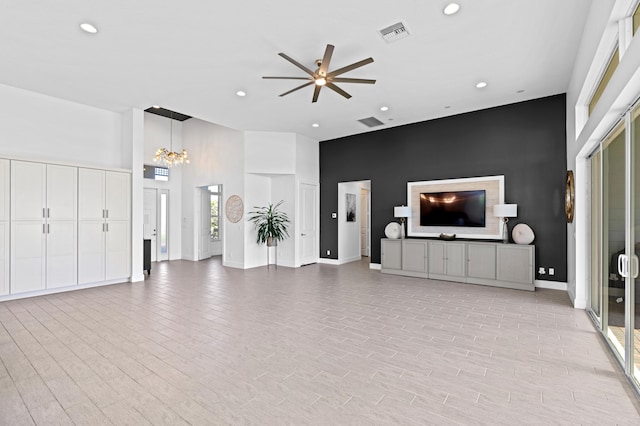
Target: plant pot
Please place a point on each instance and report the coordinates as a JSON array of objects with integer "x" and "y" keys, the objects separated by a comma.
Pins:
[{"x": 271, "y": 242}]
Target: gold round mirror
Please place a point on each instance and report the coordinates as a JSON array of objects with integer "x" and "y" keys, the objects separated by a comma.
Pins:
[{"x": 569, "y": 196}]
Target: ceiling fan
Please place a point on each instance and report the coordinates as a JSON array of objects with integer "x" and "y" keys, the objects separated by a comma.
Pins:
[{"x": 322, "y": 77}]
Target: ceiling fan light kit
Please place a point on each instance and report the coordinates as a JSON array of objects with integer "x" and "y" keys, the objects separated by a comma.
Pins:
[{"x": 323, "y": 77}]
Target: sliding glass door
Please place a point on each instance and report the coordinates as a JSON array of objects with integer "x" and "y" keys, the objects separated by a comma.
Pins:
[
  {"x": 614, "y": 237},
  {"x": 615, "y": 241}
]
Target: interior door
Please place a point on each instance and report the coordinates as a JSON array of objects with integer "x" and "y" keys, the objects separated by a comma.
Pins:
[
  {"x": 149, "y": 226},
  {"x": 364, "y": 222},
  {"x": 308, "y": 231}
]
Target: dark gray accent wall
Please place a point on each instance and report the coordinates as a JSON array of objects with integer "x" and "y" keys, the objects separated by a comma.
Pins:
[{"x": 525, "y": 142}]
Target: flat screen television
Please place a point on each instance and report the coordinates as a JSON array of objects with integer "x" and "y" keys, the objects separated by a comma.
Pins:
[{"x": 457, "y": 208}]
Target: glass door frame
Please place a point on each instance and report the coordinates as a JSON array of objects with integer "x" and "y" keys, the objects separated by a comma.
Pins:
[{"x": 630, "y": 261}]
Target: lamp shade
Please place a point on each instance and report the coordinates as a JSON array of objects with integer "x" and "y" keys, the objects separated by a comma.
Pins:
[
  {"x": 505, "y": 210},
  {"x": 402, "y": 211}
]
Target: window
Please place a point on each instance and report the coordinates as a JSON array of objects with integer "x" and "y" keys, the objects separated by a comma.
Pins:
[
  {"x": 216, "y": 195},
  {"x": 636, "y": 20},
  {"x": 604, "y": 80}
]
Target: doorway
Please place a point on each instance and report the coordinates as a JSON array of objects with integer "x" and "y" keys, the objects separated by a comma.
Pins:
[
  {"x": 210, "y": 223},
  {"x": 365, "y": 222},
  {"x": 156, "y": 222},
  {"x": 354, "y": 220}
]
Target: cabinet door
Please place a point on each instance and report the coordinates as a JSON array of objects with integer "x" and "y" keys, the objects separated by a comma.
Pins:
[
  {"x": 28, "y": 189},
  {"x": 91, "y": 194},
  {"x": 437, "y": 255},
  {"x": 62, "y": 254},
  {"x": 4, "y": 257},
  {"x": 391, "y": 253},
  {"x": 481, "y": 261},
  {"x": 5, "y": 174},
  {"x": 91, "y": 251},
  {"x": 117, "y": 250},
  {"x": 27, "y": 256},
  {"x": 117, "y": 195},
  {"x": 456, "y": 259},
  {"x": 4, "y": 189},
  {"x": 515, "y": 263},
  {"x": 414, "y": 256},
  {"x": 62, "y": 192}
]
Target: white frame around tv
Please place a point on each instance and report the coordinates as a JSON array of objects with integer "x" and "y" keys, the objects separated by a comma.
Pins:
[{"x": 494, "y": 187}]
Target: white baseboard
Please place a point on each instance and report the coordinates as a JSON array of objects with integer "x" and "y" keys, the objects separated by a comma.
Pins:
[
  {"x": 238, "y": 265},
  {"x": 329, "y": 261},
  {"x": 62, "y": 289},
  {"x": 375, "y": 266},
  {"x": 553, "y": 285}
]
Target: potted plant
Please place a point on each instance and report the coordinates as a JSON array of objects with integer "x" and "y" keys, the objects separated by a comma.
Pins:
[{"x": 270, "y": 223}]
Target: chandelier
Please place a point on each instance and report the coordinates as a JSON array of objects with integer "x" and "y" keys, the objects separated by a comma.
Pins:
[{"x": 169, "y": 157}]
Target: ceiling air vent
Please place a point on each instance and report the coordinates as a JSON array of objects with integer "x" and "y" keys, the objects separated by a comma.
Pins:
[
  {"x": 371, "y": 122},
  {"x": 394, "y": 32}
]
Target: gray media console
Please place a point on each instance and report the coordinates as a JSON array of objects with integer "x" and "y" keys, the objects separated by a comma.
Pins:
[{"x": 486, "y": 263}]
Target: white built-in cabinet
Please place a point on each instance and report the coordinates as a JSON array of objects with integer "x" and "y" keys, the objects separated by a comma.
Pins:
[
  {"x": 4, "y": 225},
  {"x": 43, "y": 226},
  {"x": 104, "y": 225},
  {"x": 62, "y": 226}
]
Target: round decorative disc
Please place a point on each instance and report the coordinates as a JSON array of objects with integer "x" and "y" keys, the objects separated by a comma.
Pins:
[
  {"x": 522, "y": 234},
  {"x": 393, "y": 230},
  {"x": 569, "y": 196},
  {"x": 234, "y": 208}
]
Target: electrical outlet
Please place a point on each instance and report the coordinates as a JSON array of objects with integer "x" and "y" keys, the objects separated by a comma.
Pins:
[
  {"x": 552, "y": 271},
  {"x": 541, "y": 270},
  {"x": 328, "y": 252}
]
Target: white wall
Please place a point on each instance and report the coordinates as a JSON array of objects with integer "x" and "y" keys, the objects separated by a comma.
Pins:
[
  {"x": 270, "y": 153},
  {"x": 40, "y": 127},
  {"x": 284, "y": 188},
  {"x": 217, "y": 157},
  {"x": 157, "y": 135},
  {"x": 584, "y": 133}
]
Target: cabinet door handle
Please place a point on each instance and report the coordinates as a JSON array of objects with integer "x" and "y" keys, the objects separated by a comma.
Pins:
[
  {"x": 48, "y": 232},
  {"x": 107, "y": 213},
  {"x": 44, "y": 229},
  {"x": 107, "y": 226},
  {"x": 44, "y": 212},
  {"x": 48, "y": 213}
]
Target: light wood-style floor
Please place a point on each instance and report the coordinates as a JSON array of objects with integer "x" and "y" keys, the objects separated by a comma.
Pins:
[{"x": 198, "y": 343}]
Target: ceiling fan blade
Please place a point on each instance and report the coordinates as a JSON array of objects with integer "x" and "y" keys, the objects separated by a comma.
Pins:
[
  {"x": 297, "y": 88},
  {"x": 326, "y": 59},
  {"x": 350, "y": 67},
  {"x": 296, "y": 63},
  {"x": 353, "y": 80},
  {"x": 287, "y": 78},
  {"x": 316, "y": 93},
  {"x": 338, "y": 90}
]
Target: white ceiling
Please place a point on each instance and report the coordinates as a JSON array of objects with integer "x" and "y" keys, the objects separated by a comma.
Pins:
[{"x": 192, "y": 56}]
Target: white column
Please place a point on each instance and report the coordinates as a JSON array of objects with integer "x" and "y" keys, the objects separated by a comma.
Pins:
[{"x": 133, "y": 153}]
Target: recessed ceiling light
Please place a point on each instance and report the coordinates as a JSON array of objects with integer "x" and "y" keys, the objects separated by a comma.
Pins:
[
  {"x": 451, "y": 9},
  {"x": 384, "y": 108},
  {"x": 241, "y": 93},
  {"x": 520, "y": 91},
  {"x": 447, "y": 107},
  {"x": 315, "y": 125},
  {"x": 481, "y": 85},
  {"x": 88, "y": 28}
]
